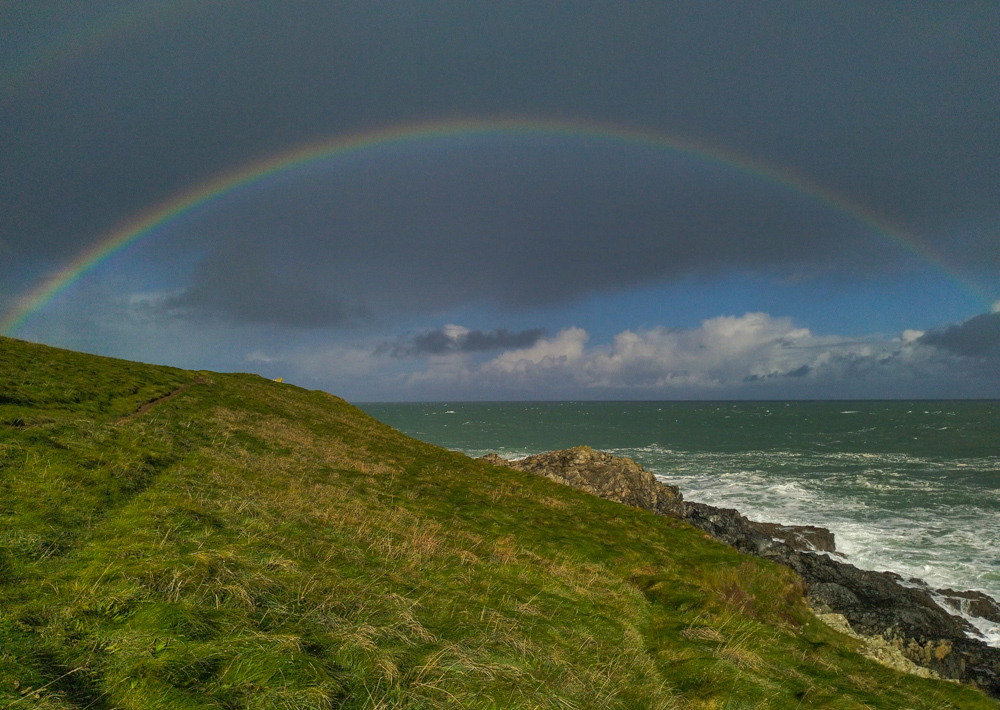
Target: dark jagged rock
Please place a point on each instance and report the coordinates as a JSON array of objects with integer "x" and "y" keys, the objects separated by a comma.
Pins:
[
  {"x": 972, "y": 603},
  {"x": 799, "y": 537},
  {"x": 880, "y": 604}
]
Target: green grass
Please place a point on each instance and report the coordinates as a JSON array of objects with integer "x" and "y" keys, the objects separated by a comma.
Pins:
[{"x": 249, "y": 544}]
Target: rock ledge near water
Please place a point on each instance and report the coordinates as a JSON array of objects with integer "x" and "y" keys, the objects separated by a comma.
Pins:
[{"x": 878, "y": 606}]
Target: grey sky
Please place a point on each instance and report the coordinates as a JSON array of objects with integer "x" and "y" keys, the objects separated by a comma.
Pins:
[
  {"x": 110, "y": 109},
  {"x": 894, "y": 105}
]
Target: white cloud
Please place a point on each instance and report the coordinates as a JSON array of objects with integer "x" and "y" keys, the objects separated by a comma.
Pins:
[
  {"x": 723, "y": 349},
  {"x": 455, "y": 332},
  {"x": 753, "y": 352},
  {"x": 995, "y": 308},
  {"x": 562, "y": 350},
  {"x": 752, "y": 355}
]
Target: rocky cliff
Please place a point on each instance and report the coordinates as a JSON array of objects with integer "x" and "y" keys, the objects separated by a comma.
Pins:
[{"x": 902, "y": 614}]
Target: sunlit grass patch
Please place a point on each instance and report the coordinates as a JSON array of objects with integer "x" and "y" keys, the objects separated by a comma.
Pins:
[{"x": 248, "y": 544}]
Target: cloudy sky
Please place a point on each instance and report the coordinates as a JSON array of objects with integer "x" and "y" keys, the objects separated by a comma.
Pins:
[{"x": 640, "y": 200}]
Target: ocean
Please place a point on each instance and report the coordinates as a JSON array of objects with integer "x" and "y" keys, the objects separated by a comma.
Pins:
[{"x": 911, "y": 487}]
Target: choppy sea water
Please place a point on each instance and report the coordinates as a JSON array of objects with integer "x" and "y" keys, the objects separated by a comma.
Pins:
[{"x": 911, "y": 487}]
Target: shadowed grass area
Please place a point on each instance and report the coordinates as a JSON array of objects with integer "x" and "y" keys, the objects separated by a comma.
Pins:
[{"x": 249, "y": 544}]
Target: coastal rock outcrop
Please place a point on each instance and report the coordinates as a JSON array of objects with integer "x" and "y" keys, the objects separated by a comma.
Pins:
[
  {"x": 903, "y": 614},
  {"x": 624, "y": 481},
  {"x": 601, "y": 474}
]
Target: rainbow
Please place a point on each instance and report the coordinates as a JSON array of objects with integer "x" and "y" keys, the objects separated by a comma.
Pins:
[{"x": 208, "y": 192}]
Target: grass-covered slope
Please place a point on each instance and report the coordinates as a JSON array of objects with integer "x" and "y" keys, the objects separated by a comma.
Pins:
[{"x": 250, "y": 544}]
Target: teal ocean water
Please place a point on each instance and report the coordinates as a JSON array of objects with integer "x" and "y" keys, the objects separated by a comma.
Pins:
[{"x": 912, "y": 487}]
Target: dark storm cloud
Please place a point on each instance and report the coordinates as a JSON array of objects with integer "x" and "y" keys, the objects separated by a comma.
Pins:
[
  {"x": 443, "y": 341},
  {"x": 250, "y": 289},
  {"x": 513, "y": 222},
  {"x": 894, "y": 106},
  {"x": 797, "y": 372},
  {"x": 976, "y": 337}
]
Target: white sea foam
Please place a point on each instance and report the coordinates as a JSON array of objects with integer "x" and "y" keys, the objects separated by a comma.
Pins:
[{"x": 895, "y": 512}]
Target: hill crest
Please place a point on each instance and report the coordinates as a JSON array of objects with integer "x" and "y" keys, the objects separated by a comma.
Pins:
[{"x": 249, "y": 544}]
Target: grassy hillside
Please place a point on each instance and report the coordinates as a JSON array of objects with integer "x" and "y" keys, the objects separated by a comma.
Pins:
[{"x": 249, "y": 544}]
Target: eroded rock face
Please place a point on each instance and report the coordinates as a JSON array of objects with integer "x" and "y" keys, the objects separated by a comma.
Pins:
[
  {"x": 875, "y": 604},
  {"x": 877, "y": 648},
  {"x": 972, "y": 603},
  {"x": 600, "y": 474},
  {"x": 625, "y": 481},
  {"x": 799, "y": 537}
]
